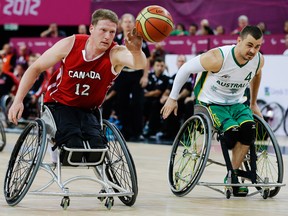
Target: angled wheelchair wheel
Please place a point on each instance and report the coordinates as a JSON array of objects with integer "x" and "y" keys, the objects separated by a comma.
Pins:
[
  {"x": 131, "y": 158},
  {"x": 286, "y": 122},
  {"x": 24, "y": 162},
  {"x": 120, "y": 165},
  {"x": 2, "y": 137},
  {"x": 189, "y": 155},
  {"x": 269, "y": 160},
  {"x": 273, "y": 113},
  {"x": 261, "y": 103}
]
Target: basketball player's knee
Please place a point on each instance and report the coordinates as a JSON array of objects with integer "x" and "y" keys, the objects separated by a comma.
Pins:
[
  {"x": 247, "y": 133},
  {"x": 230, "y": 137}
]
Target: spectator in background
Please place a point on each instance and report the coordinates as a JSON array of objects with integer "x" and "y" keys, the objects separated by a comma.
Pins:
[
  {"x": 286, "y": 44},
  {"x": 20, "y": 69},
  {"x": 23, "y": 55},
  {"x": 157, "y": 52},
  {"x": 156, "y": 86},
  {"x": 8, "y": 57},
  {"x": 119, "y": 27},
  {"x": 219, "y": 30},
  {"x": 193, "y": 28},
  {"x": 53, "y": 31},
  {"x": 262, "y": 27},
  {"x": 180, "y": 30},
  {"x": 130, "y": 88},
  {"x": 242, "y": 22},
  {"x": 207, "y": 31},
  {"x": 41, "y": 83},
  {"x": 39, "y": 87},
  {"x": 109, "y": 107},
  {"x": 205, "y": 28},
  {"x": 82, "y": 29},
  {"x": 7, "y": 81},
  {"x": 171, "y": 125},
  {"x": 285, "y": 27}
]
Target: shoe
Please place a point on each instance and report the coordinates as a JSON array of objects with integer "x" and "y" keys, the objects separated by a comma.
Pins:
[{"x": 240, "y": 191}]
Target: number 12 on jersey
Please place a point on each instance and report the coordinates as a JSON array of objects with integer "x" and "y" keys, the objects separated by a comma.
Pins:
[{"x": 82, "y": 90}]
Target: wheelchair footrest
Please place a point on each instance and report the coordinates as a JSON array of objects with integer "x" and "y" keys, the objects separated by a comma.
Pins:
[{"x": 82, "y": 157}]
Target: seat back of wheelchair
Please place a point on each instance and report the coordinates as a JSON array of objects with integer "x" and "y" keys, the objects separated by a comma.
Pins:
[{"x": 70, "y": 156}]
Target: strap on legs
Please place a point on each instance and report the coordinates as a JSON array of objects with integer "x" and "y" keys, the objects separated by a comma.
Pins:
[
  {"x": 225, "y": 152},
  {"x": 253, "y": 165}
]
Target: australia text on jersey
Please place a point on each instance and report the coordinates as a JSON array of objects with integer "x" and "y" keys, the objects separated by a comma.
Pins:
[{"x": 232, "y": 85}]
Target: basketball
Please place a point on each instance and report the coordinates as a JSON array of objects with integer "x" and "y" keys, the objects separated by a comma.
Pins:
[{"x": 154, "y": 23}]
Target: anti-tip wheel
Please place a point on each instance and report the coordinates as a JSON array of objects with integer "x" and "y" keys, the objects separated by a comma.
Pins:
[{"x": 65, "y": 202}]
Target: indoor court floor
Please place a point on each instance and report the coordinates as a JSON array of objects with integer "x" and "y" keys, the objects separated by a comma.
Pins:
[{"x": 155, "y": 197}]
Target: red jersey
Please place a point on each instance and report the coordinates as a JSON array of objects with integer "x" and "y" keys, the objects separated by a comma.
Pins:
[{"x": 79, "y": 82}]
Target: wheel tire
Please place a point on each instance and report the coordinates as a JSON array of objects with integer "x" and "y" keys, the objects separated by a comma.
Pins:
[
  {"x": 192, "y": 144},
  {"x": 25, "y": 161},
  {"x": 269, "y": 156},
  {"x": 120, "y": 168}
]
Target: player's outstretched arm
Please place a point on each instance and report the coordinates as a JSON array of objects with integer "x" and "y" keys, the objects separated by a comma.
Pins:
[
  {"x": 210, "y": 61},
  {"x": 48, "y": 59}
]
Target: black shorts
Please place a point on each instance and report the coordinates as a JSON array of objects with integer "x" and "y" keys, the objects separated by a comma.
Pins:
[{"x": 75, "y": 125}]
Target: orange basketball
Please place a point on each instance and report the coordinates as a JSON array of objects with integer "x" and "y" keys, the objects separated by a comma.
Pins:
[{"x": 154, "y": 23}]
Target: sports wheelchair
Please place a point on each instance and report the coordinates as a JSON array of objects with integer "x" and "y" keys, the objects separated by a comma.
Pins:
[
  {"x": 115, "y": 173},
  {"x": 261, "y": 170}
]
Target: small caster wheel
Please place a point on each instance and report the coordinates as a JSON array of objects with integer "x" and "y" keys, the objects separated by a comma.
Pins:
[
  {"x": 265, "y": 193},
  {"x": 102, "y": 198},
  {"x": 109, "y": 202},
  {"x": 65, "y": 202},
  {"x": 228, "y": 192}
]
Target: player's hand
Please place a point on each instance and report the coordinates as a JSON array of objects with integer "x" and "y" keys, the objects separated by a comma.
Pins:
[
  {"x": 256, "y": 110},
  {"x": 15, "y": 112},
  {"x": 133, "y": 41},
  {"x": 170, "y": 106}
]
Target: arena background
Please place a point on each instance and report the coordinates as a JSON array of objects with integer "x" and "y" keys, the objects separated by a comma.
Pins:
[
  {"x": 22, "y": 21},
  {"x": 33, "y": 16}
]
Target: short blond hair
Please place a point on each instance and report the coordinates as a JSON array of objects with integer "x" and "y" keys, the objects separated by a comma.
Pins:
[{"x": 104, "y": 14}]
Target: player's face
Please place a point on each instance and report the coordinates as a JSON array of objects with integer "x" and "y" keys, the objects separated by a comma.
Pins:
[
  {"x": 103, "y": 33},
  {"x": 249, "y": 47}
]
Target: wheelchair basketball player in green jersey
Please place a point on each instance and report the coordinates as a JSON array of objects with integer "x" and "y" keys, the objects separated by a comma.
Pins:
[{"x": 223, "y": 74}]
